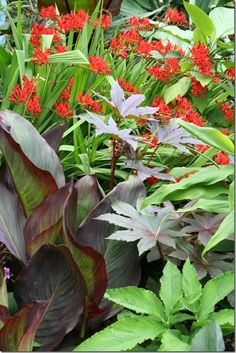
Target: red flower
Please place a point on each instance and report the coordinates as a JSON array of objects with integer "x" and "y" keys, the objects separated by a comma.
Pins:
[
  {"x": 197, "y": 89},
  {"x": 200, "y": 57},
  {"x": 33, "y": 105},
  {"x": 60, "y": 49},
  {"x": 202, "y": 148},
  {"x": 118, "y": 47},
  {"x": 41, "y": 57},
  {"x": 19, "y": 95},
  {"x": 153, "y": 142},
  {"x": 140, "y": 23},
  {"x": 175, "y": 16},
  {"x": 89, "y": 103},
  {"x": 194, "y": 118},
  {"x": 222, "y": 158},
  {"x": 130, "y": 37},
  {"x": 104, "y": 23},
  {"x": 164, "y": 110},
  {"x": 166, "y": 71},
  {"x": 152, "y": 180},
  {"x": 63, "y": 109},
  {"x": 73, "y": 21},
  {"x": 144, "y": 48},
  {"x": 36, "y": 33},
  {"x": 227, "y": 110},
  {"x": 98, "y": 65},
  {"x": 127, "y": 86},
  {"x": 230, "y": 73},
  {"x": 48, "y": 12}
]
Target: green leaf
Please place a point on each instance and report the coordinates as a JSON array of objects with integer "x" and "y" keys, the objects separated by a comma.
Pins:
[
  {"x": 3, "y": 289},
  {"x": 215, "y": 290},
  {"x": 18, "y": 333},
  {"x": 231, "y": 196},
  {"x": 210, "y": 136},
  {"x": 53, "y": 276},
  {"x": 34, "y": 166},
  {"x": 179, "y": 88},
  {"x": 225, "y": 230},
  {"x": 171, "y": 287},
  {"x": 225, "y": 27},
  {"x": 123, "y": 335},
  {"x": 190, "y": 281},
  {"x": 171, "y": 342},
  {"x": 201, "y": 20},
  {"x": 73, "y": 57},
  {"x": 224, "y": 318},
  {"x": 140, "y": 300},
  {"x": 208, "y": 339},
  {"x": 204, "y": 179},
  {"x": 214, "y": 205}
]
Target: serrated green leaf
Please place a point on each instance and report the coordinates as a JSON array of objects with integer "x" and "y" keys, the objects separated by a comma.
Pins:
[
  {"x": 179, "y": 88},
  {"x": 123, "y": 335},
  {"x": 201, "y": 20},
  {"x": 171, "y": 287},
  {"x": 225, "y": 230},
  {"x": 210, "y": 136},
  {"x": 140, "y": 300},
  {"x": 208, "y": 339},
  {"x": 190, "y": 282},
  {"x": 224, "y": 317},
  {"x": 215, "y": 290},
  {"x": 172, "y": 342}
]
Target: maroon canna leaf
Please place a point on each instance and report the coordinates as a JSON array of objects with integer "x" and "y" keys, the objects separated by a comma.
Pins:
[
  {"x": 52, "y": 275},
  {"x": 34, "y": 166},
  {"x": 4, "y": 315},
  {"x": 53, "y": 136},
  {"x": 122, "y": 261},
  {"x": 19, "y": 331},
  {"x": 90, "y": 262}
]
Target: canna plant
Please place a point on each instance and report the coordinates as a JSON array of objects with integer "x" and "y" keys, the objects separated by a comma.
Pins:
[{"x": 159, "y": 318}]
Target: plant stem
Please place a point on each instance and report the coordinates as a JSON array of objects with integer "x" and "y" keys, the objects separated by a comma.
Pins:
[{"x": 113, "y": 166}]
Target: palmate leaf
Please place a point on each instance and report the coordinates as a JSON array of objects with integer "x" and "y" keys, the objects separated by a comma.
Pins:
[
  {"x": 122, "y": 260},
  {"x": 53, "y": 276},
  {"x": 145, "y": 172},
  {"x": 145, "y": 226},
  {"x": 19, "y": 331},
  {"x": 140, "y": 300},
  {"x": 123, "y": 335},
  {"x": 34, "y": 166},
  {"x": 12, "y": 223}
]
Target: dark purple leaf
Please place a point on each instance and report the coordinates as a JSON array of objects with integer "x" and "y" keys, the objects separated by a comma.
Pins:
[
  {"x": 52, "y": 275},
  {"x": 12, "y": 223},
  {"x": 18, "y": 333},
  {"x": 53, "y": 136},
  {"x": 34, "y": 166},
  {"x": 4, "y": 315},
  {"x": 146, "y": 172},
  {"x": 122, "y": 261}
]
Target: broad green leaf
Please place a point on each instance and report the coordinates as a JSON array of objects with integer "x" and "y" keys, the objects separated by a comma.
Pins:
[
  {"x": 179, "y": 88},
  {"x": 224, "y": 318},
  {"x": 171, "y": 342},
  {"x": 225, "y": 230},
  {"x": 171, "y": 287},
  {"x": 231, "y": 196},
  {"x": 3, "y": 289},
  {"x": 208, "y": 339},
  {"x": 214, "y": 290},
  {"x": 73, "y": 57},
  {"x": 123, "y": 335},
  {"x": 140, "y": 300},
  {"x": 34, "y": 166},
  {"x": 225, "y": 27},
  {"x": 210, "y": 136},
  {"x": 204, "y": 179},
  {"x": 214, "y": 205},
  {"x": 201, "y": 20},
  {"x": 180, "y": 317},
  {"x": 205, "y": 157},
  {"x": 204, "y": 80},
  {"x": 18, "y": 333},
  {"x": 53, "y": 276},
  {"x": 190, "y": 282},
  {"x": 12, "y": 223}
]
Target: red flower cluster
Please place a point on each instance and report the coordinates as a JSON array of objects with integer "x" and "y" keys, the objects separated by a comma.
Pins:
[
  {"x": 74, "y": 21},
  {"x": 197, "y": 89},
  {"x": 41, "y": 57},
  {"x": 98, "y": 65},
  {"x": 200, "y": 57},
  {"x": 62, "y": 107},
  {"x": 149, "y": 139},
  {"x": 128, "y": 86},
  {"x": 164, "y": 72},
  {"x": 230, "y": 73},
  {"x": 36, "y": 34},
  {"x": 89, "y": 103},
  {"x": 26, "y": 94},
  {"x": 49, "y": 13},
  {"x": 104, "y": 23},
  {"x": 164, "y": 110},
  {"x": 175, "y": 16},
  {"x": 227, "y": 110},
  {"x": 152, "y": 180},
  {"x": 222, "y": 158},
  {"x": 184, "y": 110},
  {"x": 140, "y": 24},
  {"x": 202, "y": 148}
]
